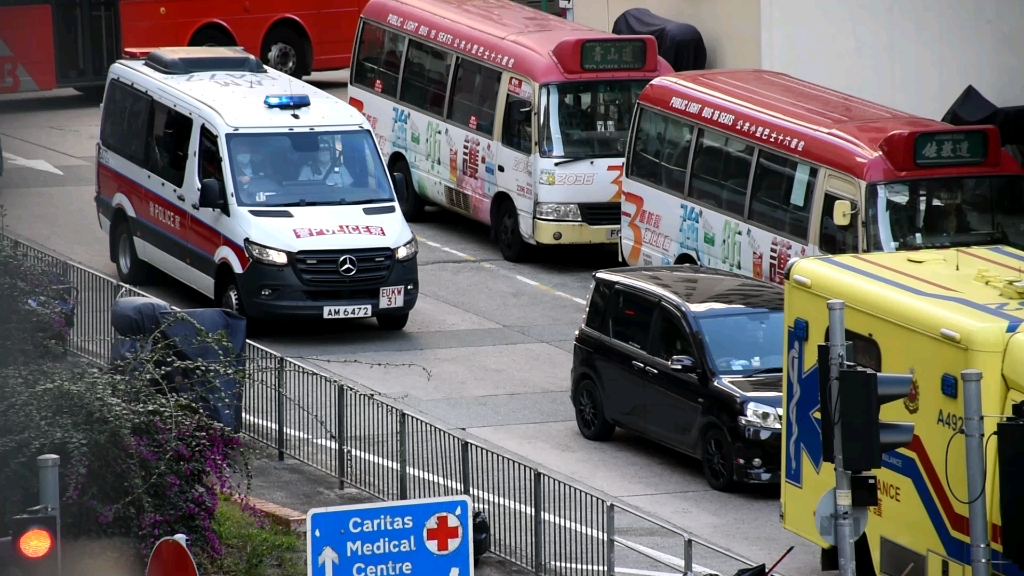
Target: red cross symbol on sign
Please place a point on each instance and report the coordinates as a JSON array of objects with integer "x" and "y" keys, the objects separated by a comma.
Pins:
[{"x": 443, "y": 533}]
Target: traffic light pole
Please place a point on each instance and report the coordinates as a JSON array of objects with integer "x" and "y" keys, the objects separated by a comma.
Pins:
[
  {"x": 844, "y": 497},
  {"x": 49, "y": 493},
  {"x": 974, "y": 428}
]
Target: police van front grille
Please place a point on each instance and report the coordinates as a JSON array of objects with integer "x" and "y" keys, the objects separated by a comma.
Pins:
[
  {"x": 601, "y": 213},
  {"x": 320, "y": 267}
]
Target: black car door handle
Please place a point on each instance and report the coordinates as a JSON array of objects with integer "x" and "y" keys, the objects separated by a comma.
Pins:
[
  {"x": 501, "y": 168},
  {"x": 652, "y": 370},
  {"x": 637, "y": 365}
]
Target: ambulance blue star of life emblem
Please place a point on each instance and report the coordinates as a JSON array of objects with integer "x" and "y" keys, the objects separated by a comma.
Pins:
[
  {"x": 803, "y": 430},
  {"x": 409, "y": 537}
]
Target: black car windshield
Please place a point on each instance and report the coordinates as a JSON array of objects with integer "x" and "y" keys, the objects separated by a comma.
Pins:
[
  {"x": 587, "y": 119},
  {"x": 944, "y": 212},
  {"x": 741, "y": 340},
  {"x": 308, "y": 169}
]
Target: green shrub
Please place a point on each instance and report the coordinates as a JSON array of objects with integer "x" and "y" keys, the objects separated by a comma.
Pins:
[{"x": 253, "y": 546}]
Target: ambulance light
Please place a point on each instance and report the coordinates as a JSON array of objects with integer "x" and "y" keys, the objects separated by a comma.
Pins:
[
  {"x": 949, "y": 386},
  {"x": 287, "y": 101}
]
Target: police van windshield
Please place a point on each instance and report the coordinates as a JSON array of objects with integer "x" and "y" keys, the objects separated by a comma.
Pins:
[
  {"x": 587, "y": 119},
  {"x": 942, "y": 212},
  {"x": 310, "y": 169}
]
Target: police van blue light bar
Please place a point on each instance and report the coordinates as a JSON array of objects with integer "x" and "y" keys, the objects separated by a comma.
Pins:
[{"x": 287, "y": 102}]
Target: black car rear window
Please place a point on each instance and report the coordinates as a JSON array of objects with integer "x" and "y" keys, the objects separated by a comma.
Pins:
[{"x": 597, "y": 307}]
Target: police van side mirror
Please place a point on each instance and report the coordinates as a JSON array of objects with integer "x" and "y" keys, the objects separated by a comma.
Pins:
[
  {"x": 841, "y": 212},
  {"x": 211, "y": 195},
  {"x": 401, "y": 186}
]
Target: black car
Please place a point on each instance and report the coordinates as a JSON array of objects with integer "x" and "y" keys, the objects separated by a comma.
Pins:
[{"x": 690, "y": 357}]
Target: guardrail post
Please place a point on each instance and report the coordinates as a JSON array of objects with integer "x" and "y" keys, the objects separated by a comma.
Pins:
[
  {"x": 464, "y": 453},
  {"x": 403, "y": 458},
  {"x": 339, "y": 405},
  {"x": 280, "y": 408},
  {"x": 49, "y": 493},
  {"x": 688, "y": 556},
  {"x": 610, "y": 540},
  {"x": 538, "y": 522}
]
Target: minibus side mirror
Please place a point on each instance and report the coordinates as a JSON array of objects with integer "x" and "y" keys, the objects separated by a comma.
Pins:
[
  {"x": 401, "y": 186},
  {"x": 211, "y": 195},
  {"x": 841, "y": 213}
]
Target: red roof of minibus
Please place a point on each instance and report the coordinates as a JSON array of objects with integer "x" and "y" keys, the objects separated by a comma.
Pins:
[
  {"x": 866, "y": 140},
  {"x": 504, "y": 33}
]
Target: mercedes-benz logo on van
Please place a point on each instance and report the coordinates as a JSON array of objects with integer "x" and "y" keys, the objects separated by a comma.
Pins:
[{"x": 347, "y": 265}]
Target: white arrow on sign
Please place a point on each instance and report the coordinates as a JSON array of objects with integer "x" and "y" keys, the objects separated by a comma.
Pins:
[
  {"x": 36, "y": 164},
  {"x": 329, "y": 557}
]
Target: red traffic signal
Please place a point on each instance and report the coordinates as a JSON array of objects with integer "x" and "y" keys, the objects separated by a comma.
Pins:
[{"x": 35, "y": 543}]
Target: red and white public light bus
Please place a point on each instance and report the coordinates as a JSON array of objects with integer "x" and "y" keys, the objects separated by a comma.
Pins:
[
  {"x": 48, "y": 44},
  {"x": 745, "y": 170},
  {"x": 502, "y": 113}
]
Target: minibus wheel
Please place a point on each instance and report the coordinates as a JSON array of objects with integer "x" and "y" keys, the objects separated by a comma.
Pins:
[{"x": 510, "y": 240}]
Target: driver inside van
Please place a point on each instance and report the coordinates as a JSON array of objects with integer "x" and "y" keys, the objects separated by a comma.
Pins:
[
  {"x": 245, "y": 168},
  {"x": 326, "y": 167}
]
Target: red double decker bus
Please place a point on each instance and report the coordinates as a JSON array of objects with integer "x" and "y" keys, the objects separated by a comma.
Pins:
[{"x": 48, "y": 44}]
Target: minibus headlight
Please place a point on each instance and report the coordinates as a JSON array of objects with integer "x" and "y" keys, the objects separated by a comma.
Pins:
[
  {"x": 407, "y": 250},
  {"x": 558, "y": 212},
  {"x": 265, "y": 255},
  {"x": 761, "y": 415}
]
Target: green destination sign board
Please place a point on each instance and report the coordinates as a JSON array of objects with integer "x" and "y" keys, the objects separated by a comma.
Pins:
[
  {"x": 951, "y": 148},
  {"x": 602, "y": 55}
]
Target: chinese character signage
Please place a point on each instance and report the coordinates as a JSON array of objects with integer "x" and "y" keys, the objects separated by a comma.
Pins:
[
  {"x": 613, "y": 55},
  {"x": 950, "y": 148}
]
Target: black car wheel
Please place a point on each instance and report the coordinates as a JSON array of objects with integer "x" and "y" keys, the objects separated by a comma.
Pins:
[
  {"x": 590, "y": 416},
  {"x": 717, "y": 456}
]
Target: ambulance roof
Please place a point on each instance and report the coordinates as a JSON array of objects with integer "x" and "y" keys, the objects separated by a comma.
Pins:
[
  {"x": 968, "y": 291},
  {"x": 238, "y": 96}
]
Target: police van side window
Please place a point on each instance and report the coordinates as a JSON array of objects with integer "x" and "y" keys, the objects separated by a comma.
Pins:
[
  {"x": 126, "y": 122},
  {"x": 866, "y": 351},
  {"x": 171, "y": 133},
  {"x": 210, "y": 165}
]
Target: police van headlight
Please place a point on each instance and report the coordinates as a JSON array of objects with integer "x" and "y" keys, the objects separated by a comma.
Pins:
[
  {"x": 407, "y": 250},
  {"x": 265, "y": 255},
  {"x": 547, "y": 211},
  {"x": 761, "y": 415}
]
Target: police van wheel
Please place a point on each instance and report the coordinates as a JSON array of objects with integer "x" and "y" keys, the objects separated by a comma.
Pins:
[
  {"x": 717, "y": 457},
  {"x": 130, "y": 268},
  {"x": 231, "y": 298},
  {"x": 393, "y": 322}
]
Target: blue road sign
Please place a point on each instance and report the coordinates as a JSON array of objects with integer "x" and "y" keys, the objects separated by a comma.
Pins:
[{"x": 427, "y": 537}]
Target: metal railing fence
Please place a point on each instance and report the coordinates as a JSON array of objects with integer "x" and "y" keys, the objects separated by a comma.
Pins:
[{"x": 537, "y": 521}]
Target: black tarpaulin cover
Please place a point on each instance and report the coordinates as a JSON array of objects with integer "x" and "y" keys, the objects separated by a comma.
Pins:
[
  {"x": 135, "y": 319},
  {"x": 973, "y": 109},
  {"x": 681, "y": 45}
]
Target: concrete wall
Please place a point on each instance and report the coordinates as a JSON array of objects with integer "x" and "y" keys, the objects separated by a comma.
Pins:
[
  {"x": 731, "y": 28},
  {"x": 913, "y": 55}
]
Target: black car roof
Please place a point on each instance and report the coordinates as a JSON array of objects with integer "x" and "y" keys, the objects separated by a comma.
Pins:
[{"x": 696, "y": 285}]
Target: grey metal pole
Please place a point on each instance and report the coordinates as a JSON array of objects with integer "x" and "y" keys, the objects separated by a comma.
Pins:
[
  {"x": 974, "y": 427},
  {"x": 466, "y": 471},
  {"x": 280, "y": 408},
  {"x": 609, "y": 568},
  {"x": 49, "y": 492},
  {"x": 538, "y": 522},
  {"x": 342, "y": 455},
  {"x": 403, "y": 458},
  {"x": 844, "y": 497}
]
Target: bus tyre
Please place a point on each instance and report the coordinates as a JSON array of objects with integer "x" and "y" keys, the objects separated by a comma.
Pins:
[
  {"x": 130, "y": 268},
  {"x": 717, "y": 458},
  {"x": 285, "y": 51},
  {"x": 510, "y": 240},
  {"x": 590, "y": 418},
  {"x": 409, "y": 200},
  {"x": 393, "y": 322},
  {"x": 210, "y": 37}
]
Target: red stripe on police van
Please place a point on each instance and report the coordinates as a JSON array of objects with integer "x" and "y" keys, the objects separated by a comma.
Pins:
[
  {"x": 958, "y": 522},
  {"x": 157, "y": 211}
]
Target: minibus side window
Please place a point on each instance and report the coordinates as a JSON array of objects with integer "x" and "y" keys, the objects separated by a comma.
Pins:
[
  {"x": 517, "y": 125},
  {"x": 648, "y": 147},
  {"x": 866, "y": 351},
  {"x": 425, "y": 77},
  {"x": 721, "y": 171},
  {"x": 782, "y": 195},
  {"x": 378, "y": 59},
  {"x": 474, "y": 96}
]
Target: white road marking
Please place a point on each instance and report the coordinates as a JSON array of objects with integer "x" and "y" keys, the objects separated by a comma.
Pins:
[
  {"x": 528, "y": 281},
  {"x": 35, "y": 164}
]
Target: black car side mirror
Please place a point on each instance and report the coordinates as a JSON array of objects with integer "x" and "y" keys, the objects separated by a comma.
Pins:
[
  {"x": 684, "y": 364},
  {"x": 401, "y": 186},
  {"x": 211, "y": 195}
]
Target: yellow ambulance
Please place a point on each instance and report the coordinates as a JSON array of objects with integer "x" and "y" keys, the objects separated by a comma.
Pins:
[{"x": 930, "y": 313}]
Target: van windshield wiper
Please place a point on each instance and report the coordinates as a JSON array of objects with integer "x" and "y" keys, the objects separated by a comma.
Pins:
[
  {"x": 311, "y": 203},
  {"x": 567, "y": 160},
  {"x": 765, "y": 371},
  {"x": 369, "y": 201}
]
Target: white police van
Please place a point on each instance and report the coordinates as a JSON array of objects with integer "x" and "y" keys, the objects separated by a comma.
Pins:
[{"x": 261, "y": 191}]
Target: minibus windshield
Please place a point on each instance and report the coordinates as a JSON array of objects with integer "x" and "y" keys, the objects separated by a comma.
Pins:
[
  {"x": 944, "y": 212},
  {"x": 587, "y": 119},
  {"x": 307, "y": 169}
]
